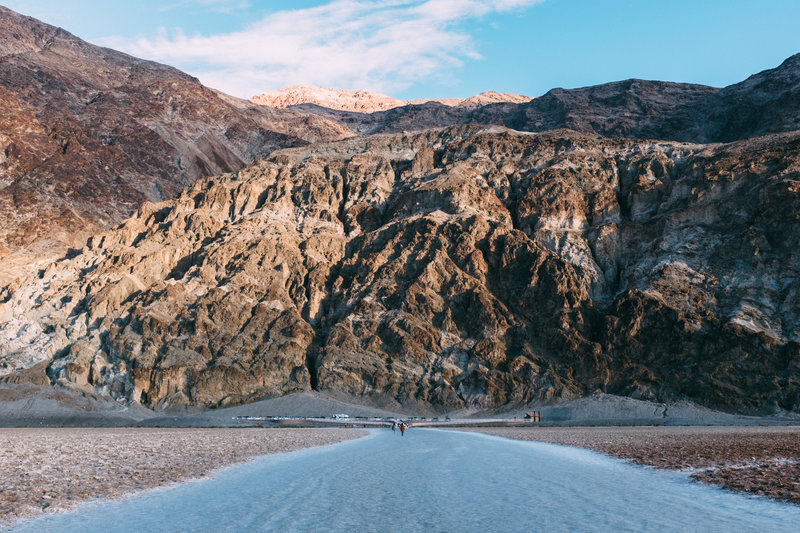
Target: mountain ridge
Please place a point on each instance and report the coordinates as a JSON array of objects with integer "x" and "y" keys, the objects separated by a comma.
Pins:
[
  {"x": 363, "y": 101},
  {"x": 88, "y": 133},
  {"x": 765, "y": 103}
]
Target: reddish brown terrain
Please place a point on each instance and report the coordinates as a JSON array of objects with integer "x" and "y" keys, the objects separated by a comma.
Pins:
[{"x": 87, "y": 134}]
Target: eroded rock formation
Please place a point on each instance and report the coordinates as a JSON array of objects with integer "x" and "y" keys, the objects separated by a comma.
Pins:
[{"x": 457, "y": 267}]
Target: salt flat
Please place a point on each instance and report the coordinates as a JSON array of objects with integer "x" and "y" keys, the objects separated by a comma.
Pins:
[
  {"x": 755, "y": 460},
  {"x": 431, "y": 480},
  {"x": 46, "y": 469}
]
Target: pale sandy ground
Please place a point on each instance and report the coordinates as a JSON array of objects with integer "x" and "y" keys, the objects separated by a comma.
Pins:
[
  {"x": 755, "y": 460},
  {"x": 47, "y": 469}
]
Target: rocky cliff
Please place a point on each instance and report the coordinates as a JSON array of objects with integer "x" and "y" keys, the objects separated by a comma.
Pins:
[
  {"x": 458, "y": 267},
  {"x": 87, "y": 134}
]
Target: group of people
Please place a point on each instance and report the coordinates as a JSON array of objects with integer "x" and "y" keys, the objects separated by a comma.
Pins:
[{"x": 402, "y": 427}]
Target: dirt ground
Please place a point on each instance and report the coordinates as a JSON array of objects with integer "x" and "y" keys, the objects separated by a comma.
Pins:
[
  {"x": 755, "y": 460},
  {"x": 55, "y": 468}
]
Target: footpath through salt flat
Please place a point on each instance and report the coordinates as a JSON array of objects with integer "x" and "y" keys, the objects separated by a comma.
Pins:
[{"x": 431, "y": 480}]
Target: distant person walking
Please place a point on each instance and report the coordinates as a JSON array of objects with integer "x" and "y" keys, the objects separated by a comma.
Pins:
[
  {"x": 402, "y": 429},
  {"x": 394, "y": 428}
]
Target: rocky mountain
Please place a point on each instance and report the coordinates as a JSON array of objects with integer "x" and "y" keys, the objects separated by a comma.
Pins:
[
  {"x": 468, "y": 266},
  {"x": 765, "y": 103},
  {"x": 87, "y": 134},
  {"x": 636, "y": 109},
  {"x": 454, "y": 255},
  {"x": 367, "y": 113},
  {"x": 407, "y": 118},
  {"x": 362, "y": 101}
]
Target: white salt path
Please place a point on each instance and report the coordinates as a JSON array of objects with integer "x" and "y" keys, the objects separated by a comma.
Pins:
[{"x": 433, "y": 481}]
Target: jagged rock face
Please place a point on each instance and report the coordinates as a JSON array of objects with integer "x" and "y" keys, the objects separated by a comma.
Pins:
[
  {"x": 461, "y": 267},
  {"x": 87, "y": 134}
]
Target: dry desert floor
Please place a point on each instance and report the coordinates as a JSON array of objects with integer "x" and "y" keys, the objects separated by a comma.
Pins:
[
  {"x": 55, "y": 468},
  {"x": 755, "y": 460}
]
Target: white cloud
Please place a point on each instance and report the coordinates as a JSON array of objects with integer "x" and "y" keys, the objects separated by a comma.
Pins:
[{"x": 384, "y": 45}]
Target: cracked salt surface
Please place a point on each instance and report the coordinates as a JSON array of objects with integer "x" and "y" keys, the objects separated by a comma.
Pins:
[{"x": 432, "y": 480}]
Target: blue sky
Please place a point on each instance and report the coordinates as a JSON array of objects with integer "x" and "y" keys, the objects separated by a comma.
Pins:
[{"x": 439, "y": 48}]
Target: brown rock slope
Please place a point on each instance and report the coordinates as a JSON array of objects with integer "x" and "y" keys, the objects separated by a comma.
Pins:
[
  {"x": 456, "y": 267},
  {"x": 87, "y": 134}
]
